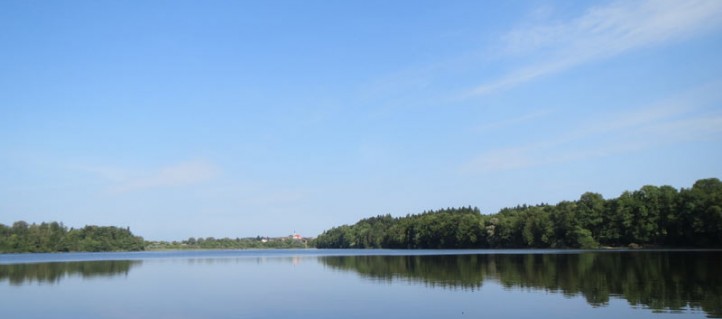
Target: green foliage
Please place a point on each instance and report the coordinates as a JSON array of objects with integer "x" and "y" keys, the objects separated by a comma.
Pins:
[
  {"x": 22, "y": 237},
  {"x": 229, "y": 243},
  {"x": 651, "y": 216}
]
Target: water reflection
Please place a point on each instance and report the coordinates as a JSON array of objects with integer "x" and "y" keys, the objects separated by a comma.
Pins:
[
  {"x": 662, "y": 281},
  {"x": 294, "y": 260},
  {"x": 20, "y": 274}
]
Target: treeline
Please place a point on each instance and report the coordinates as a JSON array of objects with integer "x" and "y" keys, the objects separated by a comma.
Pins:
[
  {"x": 650, "y": 216},
  {"x": 22, "y": 237},
  {"x": 228, "y": 243}
]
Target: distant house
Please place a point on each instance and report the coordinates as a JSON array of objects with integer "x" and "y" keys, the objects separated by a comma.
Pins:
[{"x": 297, "y": 236}]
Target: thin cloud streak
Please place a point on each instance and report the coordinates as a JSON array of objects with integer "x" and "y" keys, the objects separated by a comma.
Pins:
[
  {"x": 600, "y": 33},
  {"x": 176, "y": 175},
  {"x": 691, "y": 116},
  {"x": 514, "y": 121},
  {"x": 181, "y": 174}
]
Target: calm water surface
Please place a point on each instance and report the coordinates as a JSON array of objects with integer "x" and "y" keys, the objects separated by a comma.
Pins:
[{"x": 363, "y": 284}]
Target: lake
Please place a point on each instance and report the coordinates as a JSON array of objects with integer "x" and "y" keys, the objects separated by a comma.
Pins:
[{"x": 364, "y": 284}]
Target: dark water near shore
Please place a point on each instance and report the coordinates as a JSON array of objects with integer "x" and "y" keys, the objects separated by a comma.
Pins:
[{"x": 363, "y": 284}]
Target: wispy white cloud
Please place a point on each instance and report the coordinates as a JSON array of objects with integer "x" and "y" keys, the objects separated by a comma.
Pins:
[
  {"x": 601, "y": 32},
  {"x": 502, "y": 159},
  {"x": 694, "y": 115},
  {"x": 175, "y": 175},
  {"x": 535, "y": 115},
  {"x": 181, "y": 174},
  {"x": 113, "y": 174}
]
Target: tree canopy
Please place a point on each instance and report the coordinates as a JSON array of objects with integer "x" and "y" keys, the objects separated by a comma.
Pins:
[
  {"x": 652, "y": 215},
  {"x": 22, "y": 237}
]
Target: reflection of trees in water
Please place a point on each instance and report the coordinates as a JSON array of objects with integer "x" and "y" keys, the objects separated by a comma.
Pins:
[
  {"x": 18, "y": 274},
  {"x": 457, "y": 271},
  {"x": 663, "y": 281},
  {"x": 295, "y": 260}
]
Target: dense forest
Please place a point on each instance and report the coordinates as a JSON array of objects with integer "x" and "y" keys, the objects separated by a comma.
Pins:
[
  {"x": 650, "y": 216},
  {"x": 22, "y": 237}
]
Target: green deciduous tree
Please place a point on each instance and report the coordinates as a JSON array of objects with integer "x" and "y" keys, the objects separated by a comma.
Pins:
[{"x": 649, "y": 216}]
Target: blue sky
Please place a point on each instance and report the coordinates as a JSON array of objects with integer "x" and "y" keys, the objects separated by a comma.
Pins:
[{"x": 233, "y": 118}]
